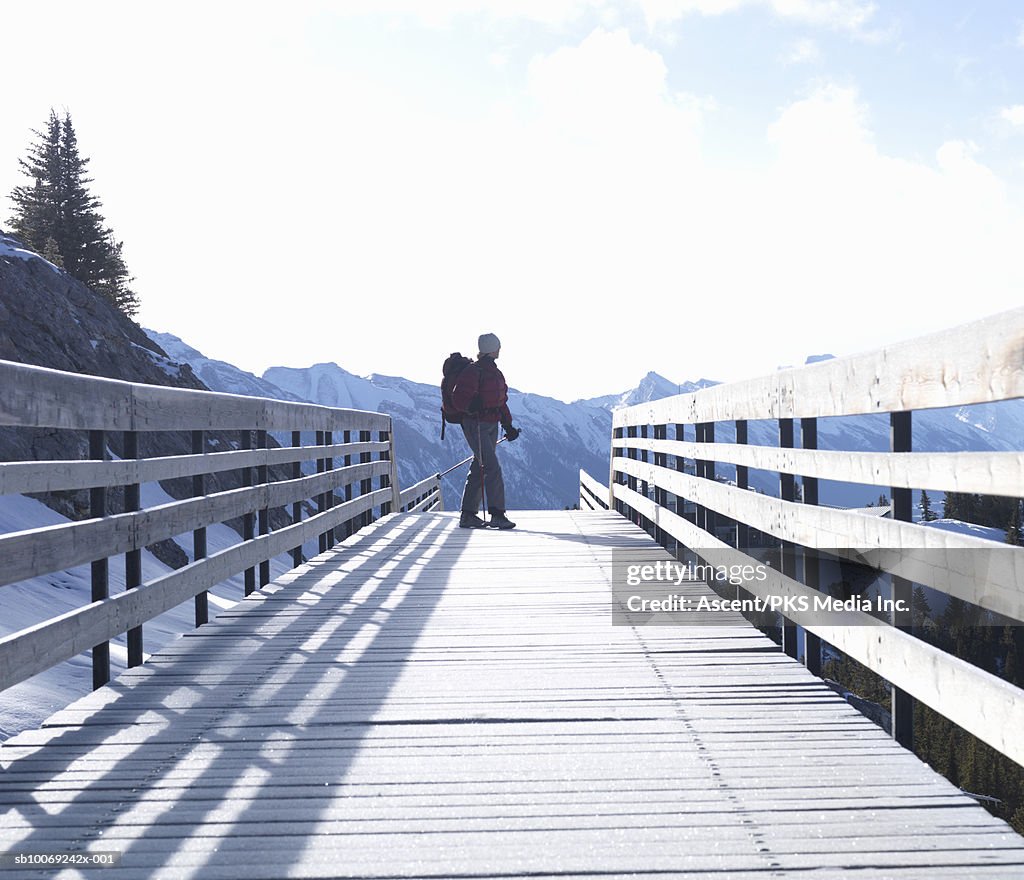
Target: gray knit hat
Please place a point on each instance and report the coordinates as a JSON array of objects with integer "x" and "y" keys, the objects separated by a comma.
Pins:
[{"x": 488, "y": 343}]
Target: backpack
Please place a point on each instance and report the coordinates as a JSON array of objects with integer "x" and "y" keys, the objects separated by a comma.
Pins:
[{"x": 454, "y": 364}]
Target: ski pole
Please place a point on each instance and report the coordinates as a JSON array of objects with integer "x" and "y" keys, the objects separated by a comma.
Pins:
[
  {"x": 483, "y": 490},
  {"x": 445, "y": 473}
]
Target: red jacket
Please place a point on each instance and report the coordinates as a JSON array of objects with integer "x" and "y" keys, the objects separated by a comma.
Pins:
[{"x": 483, "y": 379}]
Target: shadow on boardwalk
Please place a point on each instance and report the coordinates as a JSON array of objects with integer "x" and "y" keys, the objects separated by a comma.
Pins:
[{"x": 259, "y": 713}]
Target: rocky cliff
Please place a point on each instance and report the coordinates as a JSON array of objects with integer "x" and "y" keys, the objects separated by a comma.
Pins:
[{"x": 49, "y": 319}]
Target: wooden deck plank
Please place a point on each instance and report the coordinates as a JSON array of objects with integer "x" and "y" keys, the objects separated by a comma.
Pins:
[{"x": 424, "y": 701}]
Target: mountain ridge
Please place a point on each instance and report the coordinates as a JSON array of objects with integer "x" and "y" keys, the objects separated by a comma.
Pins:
[{"x": 559, "y": 438}]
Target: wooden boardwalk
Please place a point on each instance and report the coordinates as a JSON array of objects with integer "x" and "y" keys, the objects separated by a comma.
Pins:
[{"x": 425, "y": 701}]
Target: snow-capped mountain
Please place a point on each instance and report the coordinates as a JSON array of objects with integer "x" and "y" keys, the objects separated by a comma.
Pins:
[
  {"x": 541, "y": 467},
  {"x": 558, "y": 438},
  {"x": 219, "y": 375},
  {"x": 651, "y": 387}
]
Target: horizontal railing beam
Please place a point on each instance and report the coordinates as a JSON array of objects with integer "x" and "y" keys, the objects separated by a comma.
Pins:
[
  {"x": 919, "y": 554},
  {"x": 427, "y": 484},
  {"x": 592, "y": 492},
  {"x": 975, "y": 363},
  {"x": 985, "y": 473},
  {"x": 40, "y": 647},
  {"x": 56, "y": 548},
  {"x": 981, "y": 703},
  {"x": 425, "y": 504},
  {"x": 26, "y": 477},
  {"x": 43, "y": 398}
]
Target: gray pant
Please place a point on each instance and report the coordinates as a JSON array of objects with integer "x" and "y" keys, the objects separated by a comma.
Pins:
[{"x": 482, "y": 438}]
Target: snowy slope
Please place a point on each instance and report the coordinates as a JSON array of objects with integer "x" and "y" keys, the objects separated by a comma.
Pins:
[
  {"x": 541, "y": 467},
  {"x": 652, "y": 387},
  {"x": 218, "y": 375},
  {"x": 12, "y": 248},
  {"x": 558, "y": 438},
  {"x": 29, "y": 602},
  {"x": 970, "y": 529}
]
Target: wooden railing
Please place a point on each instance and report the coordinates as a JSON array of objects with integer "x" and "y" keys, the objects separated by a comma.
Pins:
[
  {"x": 593, "y": 495},
  {"x": 314, "y": 493},
  {"x": 667, "y": 482},
  {"x": 423, "y": 496}
]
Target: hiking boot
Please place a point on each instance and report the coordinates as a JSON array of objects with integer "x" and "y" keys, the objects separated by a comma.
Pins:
[
  {"x": 500, "y": 521},
  {"x": 470, "y": 521}
]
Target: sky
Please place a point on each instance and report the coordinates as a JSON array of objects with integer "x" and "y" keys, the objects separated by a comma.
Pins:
[{"x": 703, "y": 188}]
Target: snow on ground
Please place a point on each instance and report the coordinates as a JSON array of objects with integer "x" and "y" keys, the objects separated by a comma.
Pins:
[
  {"x": 29, "y": 602},
  {"x": 9, "y": 247},
  {"x": 330, "y": 385},
  {"x": 965, "y": 528}
]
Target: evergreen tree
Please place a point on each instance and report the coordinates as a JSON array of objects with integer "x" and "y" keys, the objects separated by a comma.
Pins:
[
  {"x": 921, "y": 610},
  {"x": 38, "y": 205},
  {"x": 58, "y": 217},
  {"x": 957, "y": 506},
  {"x": 927, "y": 514},
  {"x": 1014, "y": 529},
  {"x": 82, "y": 234},
  {"x": 1011, "y": 664}
]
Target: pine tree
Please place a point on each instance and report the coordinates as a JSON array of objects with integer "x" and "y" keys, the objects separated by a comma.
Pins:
[
  {"x": 38, "y": 206},
  {"x": 1014, "y": 529},
  {"x": 81, "y": 240},
  {"x": 927, "y": 514},
  {"x": 921, "y": 611},
  {"x": 1011, "y": 664},
  {"x": 957, "y": 505},
  {"x": 58, "y": 217}
]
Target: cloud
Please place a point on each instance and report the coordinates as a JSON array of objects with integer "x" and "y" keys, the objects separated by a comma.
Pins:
[
  {"x": 844, "y": 15},
  {"x": 587, "y": 214},
  {"x": 803, "y": 52},
  {"x": 582, "y": 212},
  {"x": 606, "y": 193},
  {"x": 438, "y": 13},
  {"x": 1014, "y": 115}
]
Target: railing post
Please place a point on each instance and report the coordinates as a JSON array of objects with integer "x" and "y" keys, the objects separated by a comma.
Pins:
[
  {"x": 321, "y": 498},
  {"x": 900, "y": 440},
  {"x": 100, "y": 568},
  {"x": 660, "y": 494},
  {"x": 296, "y": 474},
  {"x": 392, "y": 459},
  {"x": 710, "y": 473},
  {"x": 248, "y": 519},
  {"x": 628, "y": 480},
  {"x": 705, "y": 469},
  {"x": 742, "y": 482},
  {"x": 812, "y": 566},
  {"x": 645, "y": 487},
  {"x": 787, "y": 551},
  {"x": 199, "y": 548},
  {"x": 366, "y": 486},
  {"x": 349, "y": 529},
  {"x": 680, "y": 501},
  {"x": 613, "y": 502},
  {"x": 263, "y": 478},
  {"x": 698, "y": 471},
  {"x": 331, "y": 497},
  {"x": 133, "y": 558}
]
